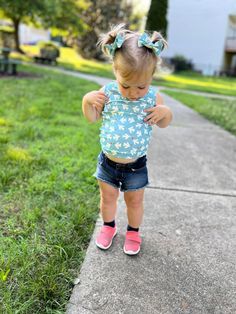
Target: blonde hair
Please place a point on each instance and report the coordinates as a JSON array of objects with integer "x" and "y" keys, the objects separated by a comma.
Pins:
[{"x": 130, "y": 58}]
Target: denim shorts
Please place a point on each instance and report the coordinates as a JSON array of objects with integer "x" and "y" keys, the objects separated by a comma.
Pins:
[{"x": 126, "y": 177}]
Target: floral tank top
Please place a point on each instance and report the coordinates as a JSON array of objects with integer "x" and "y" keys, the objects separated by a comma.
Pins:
[{"x": 124, "y": 134}]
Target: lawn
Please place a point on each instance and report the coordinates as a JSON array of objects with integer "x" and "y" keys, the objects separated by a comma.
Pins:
[
  {"x": 197, "y": 82},
  {"x": 219, "y": 111},
  {"x": 70, "y": 59},
  {"x": 48, "y": 197},
  {"x": 186, "y": 80}
]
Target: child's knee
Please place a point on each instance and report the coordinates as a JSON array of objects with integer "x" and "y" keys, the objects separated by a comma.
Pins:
[{"x": 134, "y": 200}]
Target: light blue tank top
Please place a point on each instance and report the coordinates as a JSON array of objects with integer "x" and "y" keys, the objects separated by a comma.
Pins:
[{"x": 124, "y": 134}]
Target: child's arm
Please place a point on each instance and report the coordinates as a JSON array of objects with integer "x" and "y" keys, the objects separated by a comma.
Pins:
[
  {"x": 165, "y": 121},
  {"x": 92, "y": 105},
  {"x": 160, "y": 115}
]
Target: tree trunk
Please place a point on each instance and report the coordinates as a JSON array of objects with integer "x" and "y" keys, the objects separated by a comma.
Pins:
[{"x": 16, "y": 23}]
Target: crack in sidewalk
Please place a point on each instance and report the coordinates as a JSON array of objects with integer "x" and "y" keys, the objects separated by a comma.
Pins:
[{"x": 190, "y": 191}]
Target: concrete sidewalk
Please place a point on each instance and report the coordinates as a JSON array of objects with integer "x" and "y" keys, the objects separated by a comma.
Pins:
[
  {"x": 103, "y": 80},
  {"x": 188, "y": 256}
]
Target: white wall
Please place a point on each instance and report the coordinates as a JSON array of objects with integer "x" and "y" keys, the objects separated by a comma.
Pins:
[{"x": 197, "y": 30}]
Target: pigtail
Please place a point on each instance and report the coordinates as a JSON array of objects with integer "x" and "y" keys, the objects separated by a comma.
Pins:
[
  {"x": 109, "y": 38},
  {"x": 158, "y": 37}
]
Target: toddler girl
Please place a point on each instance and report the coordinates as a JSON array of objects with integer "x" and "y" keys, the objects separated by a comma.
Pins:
[{"x": 129, "y": 107}]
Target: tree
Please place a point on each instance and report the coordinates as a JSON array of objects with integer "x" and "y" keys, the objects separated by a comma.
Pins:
[
  {"x": 98, "y": 17},
  {"x": 63, "y": 14},
  {"x": 157, "y": 16},
  {"x": 18, "y": 11}
]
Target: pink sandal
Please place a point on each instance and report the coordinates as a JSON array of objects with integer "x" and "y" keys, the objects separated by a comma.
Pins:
[
  {"x": 132, "y": 243},
  {"x": 105, "y": 237}
]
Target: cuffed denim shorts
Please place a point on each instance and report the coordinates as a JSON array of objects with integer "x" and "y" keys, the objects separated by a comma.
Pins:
[{"x": 126, "y": 177}]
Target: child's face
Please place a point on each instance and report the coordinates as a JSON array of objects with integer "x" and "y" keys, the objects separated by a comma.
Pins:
[{"x": 135, "y": 87}]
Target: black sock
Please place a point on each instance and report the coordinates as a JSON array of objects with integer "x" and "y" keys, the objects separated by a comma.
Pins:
[
  {"x": 129, "y": 228},
  {"x": 110, "y": 224}
]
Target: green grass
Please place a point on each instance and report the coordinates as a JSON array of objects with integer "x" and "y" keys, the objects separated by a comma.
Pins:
[
  {"x": 221, "y": 112},
  {"x": 48, "y": 197},
  {"x": 69, "y": 59},
  {"x": 197, "y": 82}
]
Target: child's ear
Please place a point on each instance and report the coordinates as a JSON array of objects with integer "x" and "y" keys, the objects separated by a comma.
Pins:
[
  {"x": 154, "y": 70},
  {"x": 114, "y": 69}
]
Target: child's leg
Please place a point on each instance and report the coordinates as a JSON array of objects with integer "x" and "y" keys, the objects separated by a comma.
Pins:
[
  {"x": 108, "y": 201},
  {"x": 134, "y": 203},
  {"x": 108, "y": 204}
]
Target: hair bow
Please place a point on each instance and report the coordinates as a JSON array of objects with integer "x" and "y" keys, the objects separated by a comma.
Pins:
[
  {"x": 116, "y": 44},
  {"x": 144, "y": 40}
]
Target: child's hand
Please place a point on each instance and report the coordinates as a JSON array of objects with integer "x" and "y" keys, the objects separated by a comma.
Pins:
[
  {"x": 96, "y": 99},
  {"x": 157, "y": 114}
]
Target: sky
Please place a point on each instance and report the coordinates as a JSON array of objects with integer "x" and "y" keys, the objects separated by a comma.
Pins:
[{"x": 142, "y": 5}]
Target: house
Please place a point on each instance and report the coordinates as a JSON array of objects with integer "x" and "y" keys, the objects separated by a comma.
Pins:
[
  {"x": 229, "y": 61},
  {"x": 27, "y": 34},
  {"x": 203, "y": 31},
  {"x": 31, "y": 35}
]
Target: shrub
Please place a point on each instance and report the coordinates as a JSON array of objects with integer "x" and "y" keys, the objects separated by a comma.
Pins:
[
  {"x": 181, "y": 63},
  {"x": 49, "y": 50}
]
